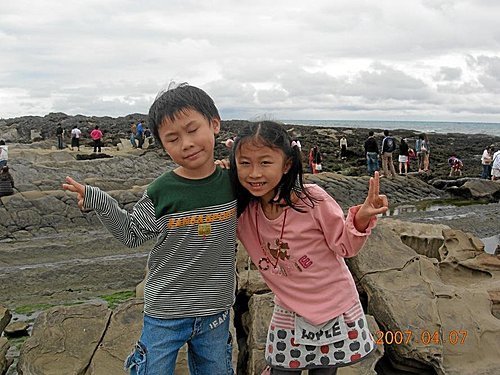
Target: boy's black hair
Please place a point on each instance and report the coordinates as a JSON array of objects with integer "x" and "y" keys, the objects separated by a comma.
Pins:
[
  {"x": 170, "y": 103},
  {"x": 271, "y": 134},
  {"x": 386, "y": 132}
]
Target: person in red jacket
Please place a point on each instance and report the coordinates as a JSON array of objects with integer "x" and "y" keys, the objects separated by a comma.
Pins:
[{"x": 96, "y": 136}]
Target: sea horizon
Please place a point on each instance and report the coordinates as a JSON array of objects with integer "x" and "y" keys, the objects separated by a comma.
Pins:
[{"x": 488, "y": 128}]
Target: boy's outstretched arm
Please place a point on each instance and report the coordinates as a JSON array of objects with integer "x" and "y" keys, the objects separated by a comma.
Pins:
[
  {"x": 374, "y": 204},
  {"x": 75, "y": 187}
]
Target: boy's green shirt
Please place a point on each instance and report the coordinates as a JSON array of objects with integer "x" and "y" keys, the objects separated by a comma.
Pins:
[{"x": 191, "y": 265}]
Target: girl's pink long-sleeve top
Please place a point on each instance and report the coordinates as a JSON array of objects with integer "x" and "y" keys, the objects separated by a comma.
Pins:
[{"x": 311, "y": 277}]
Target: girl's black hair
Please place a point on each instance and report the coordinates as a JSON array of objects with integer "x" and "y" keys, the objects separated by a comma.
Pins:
[
  {"x": 170, "y": 103},
  {"x": 272, "y": 134}
]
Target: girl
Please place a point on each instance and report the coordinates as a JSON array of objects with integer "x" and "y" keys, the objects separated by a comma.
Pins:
[
  {"x": 403, "y": 156},
  {"x": 297, "y": 237}
]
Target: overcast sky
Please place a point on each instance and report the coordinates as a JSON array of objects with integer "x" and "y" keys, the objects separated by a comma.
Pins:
[{"x": 285, "y": 59}]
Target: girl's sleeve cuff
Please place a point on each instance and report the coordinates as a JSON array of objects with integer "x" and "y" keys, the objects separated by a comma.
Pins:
[{"x": 350, "y": 222}]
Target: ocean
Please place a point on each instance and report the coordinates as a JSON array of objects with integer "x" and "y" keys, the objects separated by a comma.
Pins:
[{"x": 488, "y": 128}]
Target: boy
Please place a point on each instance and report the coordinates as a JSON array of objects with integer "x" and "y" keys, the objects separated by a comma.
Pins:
[
  {"x": 388, "y": 147},
  {"x": 191, "y": 211}
]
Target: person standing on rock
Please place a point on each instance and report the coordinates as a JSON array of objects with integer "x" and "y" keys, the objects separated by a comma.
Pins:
[
  {"x": 147, "y": 136},
  {"x": 404, "y": 156},
  {"x": 139, "y": 134},
  {"x": 191, "y": 212},
  {"x": 133, "y": 129},
  {"x": 4, "y": 153},
  {"x": 371, "y": 153},
  {"x": 297, "y": 237},
  {"x": 421, "y": 150},
  {"x": 486, "y": 160},
  {"x": 426, "y": 153},
  {"x": 343, "y": 148},
  {"x": 59, "y": 135},
  {"x": 388, "y": 147},
  {"x": 495, "y": 166},
  {"x": 75, "y": 138},
  {"x": 96, "y": 136},
  {"x": 310, "y": 158},
  {"x": 6, "y": 182}
]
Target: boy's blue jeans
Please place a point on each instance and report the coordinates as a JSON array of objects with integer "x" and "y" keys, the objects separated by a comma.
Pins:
[
  {"x": 372, "y": 162},
  {"x": 208, "y": 339}
]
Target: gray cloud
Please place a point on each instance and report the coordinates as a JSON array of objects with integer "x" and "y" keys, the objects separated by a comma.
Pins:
[
  {"x": 447, "y": 73},
  {"x": 323, "y": 59}
]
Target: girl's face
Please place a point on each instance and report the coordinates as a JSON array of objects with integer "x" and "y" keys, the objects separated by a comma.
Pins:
[{"x": 260, "y": 168}]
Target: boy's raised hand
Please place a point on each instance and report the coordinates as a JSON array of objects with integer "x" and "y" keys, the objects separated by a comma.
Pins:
[
  {"x": 374, "y": 204},
  {"x": 77, "y": 188}
]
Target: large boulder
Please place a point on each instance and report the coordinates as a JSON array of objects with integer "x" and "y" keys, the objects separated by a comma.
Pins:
[
  {"x": 89, "y": 339},
  {"x": 439, "y": 303},
  {"x": 470, "y": 188},
  {"x": 4, "y": 362},
  {"x": 349, "y": 191},
  {"x": 64, "y": 339},
  {"x": 5, "y": 317},
  {"x": 121, "y": 334}
]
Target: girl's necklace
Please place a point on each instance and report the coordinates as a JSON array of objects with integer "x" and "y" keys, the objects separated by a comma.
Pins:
[{"x": 279, "y": 242}]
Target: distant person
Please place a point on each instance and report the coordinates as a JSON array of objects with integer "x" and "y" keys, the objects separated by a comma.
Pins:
[
  {"x": 190, "y": 213},
  {"x": 133, "y": 130},
  {"x": 96, "y": 136},
  {"x": 421, "y": 151},
  {"x": 495, "y": 166},
  {"x": 6, "y": 182},
  {"x": 314, "y": 160},
  {"x": 427, "y": 157},
  {"x": 343, "y": 148},
  {"x": 371, "y": 153},
  {"x": 139, "y": 134},
  {"x": 310, "y": 159},
  {"x": 388, "y": 147},
  {"x": 412, "y": 155},
  {"x": 75, "y": 138},
  {"x": 59, "y": 135},
  {"x": 404, "y": 156},
  {"x": 486, "y": 160},
  {"x": 147, "y": 136},
  {"x": 318, "y": 159},
  {"x": 456, "y": 166},
  {"x": 4, "y": 153}
]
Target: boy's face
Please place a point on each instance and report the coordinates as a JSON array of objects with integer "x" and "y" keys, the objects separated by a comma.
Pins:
[{"x": 190, "y": 142}]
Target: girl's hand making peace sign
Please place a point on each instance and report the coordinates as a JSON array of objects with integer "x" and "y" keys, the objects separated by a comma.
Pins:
[{"x": 374, "y": 204}]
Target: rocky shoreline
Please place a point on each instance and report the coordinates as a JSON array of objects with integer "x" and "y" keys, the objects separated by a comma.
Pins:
[{"x": 52, "y": 253}]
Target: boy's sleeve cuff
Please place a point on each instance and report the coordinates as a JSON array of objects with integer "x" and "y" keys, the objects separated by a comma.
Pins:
[{"x": 90, "y": 201}]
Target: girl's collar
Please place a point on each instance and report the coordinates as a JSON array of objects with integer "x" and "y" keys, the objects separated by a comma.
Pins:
[{"x": 272, "y": 211}]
